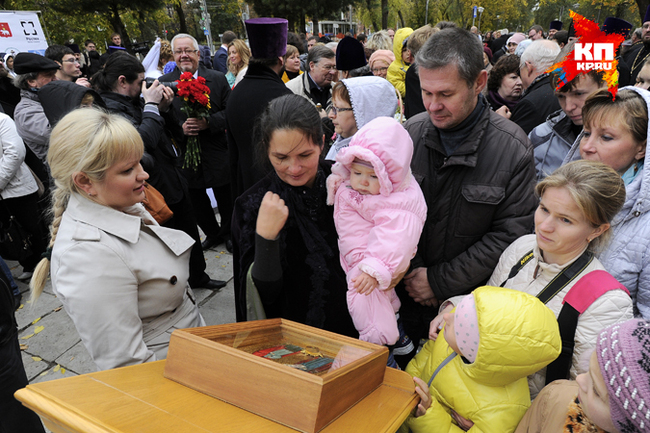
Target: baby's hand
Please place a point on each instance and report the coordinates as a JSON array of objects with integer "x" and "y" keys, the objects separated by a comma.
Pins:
[
  {"x": 365, "y": 284},
  {"x": 425, "y": 398}
]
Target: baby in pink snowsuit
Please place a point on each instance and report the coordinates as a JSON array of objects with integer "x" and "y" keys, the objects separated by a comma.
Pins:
[{"x": 379, "y": 212}]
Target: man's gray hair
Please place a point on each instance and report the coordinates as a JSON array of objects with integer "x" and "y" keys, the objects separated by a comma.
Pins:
[
  {"x": 453, "y": 46},
  {"x": 185, "y": 36},
  {"x": 22, "y": 80},
  {"x": 541, "y": 54},
  {"x": 319, "y": 52}
]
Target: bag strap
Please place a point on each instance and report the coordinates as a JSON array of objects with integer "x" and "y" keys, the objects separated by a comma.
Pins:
[
  {"x": 580, "y": 297},
  {"x": 567, "y": 275},
  {"x": 442, "y": 364}
]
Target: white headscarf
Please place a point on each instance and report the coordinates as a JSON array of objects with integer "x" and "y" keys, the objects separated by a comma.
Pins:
[{"x": 151, "y": 61}]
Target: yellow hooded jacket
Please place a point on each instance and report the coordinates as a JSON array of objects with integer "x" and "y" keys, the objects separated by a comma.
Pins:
[
  {"x": 397, "y": 70},
  {"x": 518, "y": 335}
]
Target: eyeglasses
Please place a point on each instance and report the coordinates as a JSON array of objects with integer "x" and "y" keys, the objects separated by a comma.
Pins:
[
  {"x": 186, "y": 51},
  {"x": 71, "y": 61},
  {"x": 336, "y": 110},
  {"x": 376, "y": 70},
  {"x": 328, "y": 68}
]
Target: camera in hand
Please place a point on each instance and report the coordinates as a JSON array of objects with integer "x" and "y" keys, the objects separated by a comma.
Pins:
[{"x": 170, "y": 84}]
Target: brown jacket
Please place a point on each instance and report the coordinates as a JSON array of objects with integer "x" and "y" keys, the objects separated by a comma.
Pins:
[{"x": 549, "y": 411}]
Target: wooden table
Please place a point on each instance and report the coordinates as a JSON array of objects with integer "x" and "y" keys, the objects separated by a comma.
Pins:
[{"x": 139, "y": 399}]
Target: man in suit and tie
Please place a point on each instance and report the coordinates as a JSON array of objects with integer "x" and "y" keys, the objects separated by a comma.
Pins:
[{"x": 220, "y": 62}]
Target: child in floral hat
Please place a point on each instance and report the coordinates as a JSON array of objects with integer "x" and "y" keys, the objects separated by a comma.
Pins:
[{"x": 613, "y": 396}]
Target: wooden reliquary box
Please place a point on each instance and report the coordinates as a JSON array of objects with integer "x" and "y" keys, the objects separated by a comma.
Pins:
[{"x": 291, "y": 373}]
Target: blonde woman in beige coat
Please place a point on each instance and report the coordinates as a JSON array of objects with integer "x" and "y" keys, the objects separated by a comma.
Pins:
[{"x": 121, "y": 277}]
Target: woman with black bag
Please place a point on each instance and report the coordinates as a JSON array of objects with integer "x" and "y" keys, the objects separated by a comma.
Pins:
[{"x": 21, "y": 236}]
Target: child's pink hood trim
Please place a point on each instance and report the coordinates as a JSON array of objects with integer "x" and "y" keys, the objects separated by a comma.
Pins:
[{"x": 385, "y": 144}]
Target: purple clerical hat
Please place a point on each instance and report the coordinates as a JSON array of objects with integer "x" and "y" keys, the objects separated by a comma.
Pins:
[
  {"x": 267, "y": 37},
  {"x": 616, "y": 25},
  {"x": 647, "y": 15},
  {"x": 555, "y": 25}
]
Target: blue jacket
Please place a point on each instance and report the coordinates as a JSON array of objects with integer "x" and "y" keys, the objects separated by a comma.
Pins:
[{"x": 220, "y": 60}]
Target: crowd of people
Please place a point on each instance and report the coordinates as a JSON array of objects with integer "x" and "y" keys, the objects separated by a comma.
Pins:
[{"x": 430, "y": 190}]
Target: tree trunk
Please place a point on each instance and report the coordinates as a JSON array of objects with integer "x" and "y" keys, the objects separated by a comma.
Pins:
[
  {"x": 643, "y": 5},
  {"x": 314, "y": 20},
  {"x": 301, "y": 22},
  {"x": 401, "y": 18},
  {"x": 384, "y": 14},
  {"x": 181, "y": 18},
  {"x": 118, "y": 26}
]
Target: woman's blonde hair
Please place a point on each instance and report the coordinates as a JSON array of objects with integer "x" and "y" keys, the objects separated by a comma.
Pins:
[
  {"x": 166, "y": 54},
  {"x": 244, "y": 54},
  {"x": 628, "y": 109},
  {"x": 90, "y": 141},
  {"x": 597, "y": 190}
]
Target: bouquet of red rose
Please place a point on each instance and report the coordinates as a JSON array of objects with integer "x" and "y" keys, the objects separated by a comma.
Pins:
[{"x": 197, "y": 104}]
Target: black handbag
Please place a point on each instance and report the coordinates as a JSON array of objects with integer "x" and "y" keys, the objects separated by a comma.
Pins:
[{"x": 15, "y": 241}]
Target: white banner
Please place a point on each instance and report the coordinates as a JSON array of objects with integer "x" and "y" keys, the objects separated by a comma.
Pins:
[{"x": 21, "y": 32}]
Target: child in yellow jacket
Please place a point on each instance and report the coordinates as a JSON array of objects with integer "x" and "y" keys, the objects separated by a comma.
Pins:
[{"x": 475, "y": 372}]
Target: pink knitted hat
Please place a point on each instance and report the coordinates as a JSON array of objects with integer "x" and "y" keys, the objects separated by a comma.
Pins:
[
  {"x": 623, "y": 352},
  {"x": 466, "y": 328},
  {"x": 385, "y": 55}
]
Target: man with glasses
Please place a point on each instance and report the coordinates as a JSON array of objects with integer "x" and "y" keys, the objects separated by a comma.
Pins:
[
  {"x": 316, "y": 84},
  {"x": 70, "y": 66},
  {"x": 213, "y": 170},
  {"x": 536, "y": 33}
]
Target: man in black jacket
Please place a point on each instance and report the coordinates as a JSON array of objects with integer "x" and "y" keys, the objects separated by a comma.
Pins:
[
  {"x": 15, "y": 417},
  {"x": 261, "y": 84},
  {"x": 477, "y": 173},
  {"x": 539, "y": 99},
  {"x": 120, "y": 84},
  {"x": 213, "y": 170}
]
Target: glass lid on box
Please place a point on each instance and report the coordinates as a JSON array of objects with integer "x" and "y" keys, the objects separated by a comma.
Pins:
[{"x": 295, "y": 349}]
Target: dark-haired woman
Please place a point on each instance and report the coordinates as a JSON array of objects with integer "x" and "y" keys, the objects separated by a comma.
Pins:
[
  {"x": 120, "y": 83},
  {"x": 504, "y": 85},
  {"x": 284, "y": 239}
]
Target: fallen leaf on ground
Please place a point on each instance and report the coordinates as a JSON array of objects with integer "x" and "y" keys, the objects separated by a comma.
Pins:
[
  {"x": 36, "y": 320},
  {"x": 38, "y": 329},
  {"x": 43, "y": 373},
  {"x": 37, "y": 358},
  {"x": 62, "y": 370},
  {"x": 21, "y": 306},
  {"x": 27, "y": 336},
  {"x": 57, "y": 368},
  {"x": 217, "y": 257},
  {"x": 23, "y": 347},
  {"x": 57, "y": 309}
]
